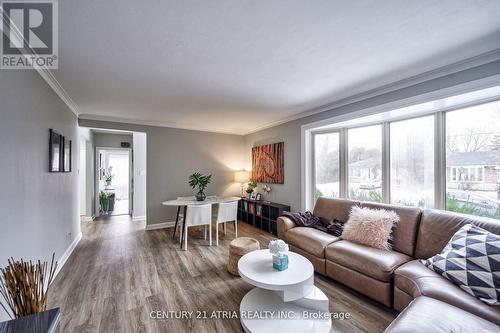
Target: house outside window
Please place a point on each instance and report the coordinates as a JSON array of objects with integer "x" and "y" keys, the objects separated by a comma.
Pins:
[
  {"x": 473, "y": 154},
  {"x": 365, "y": 163}
]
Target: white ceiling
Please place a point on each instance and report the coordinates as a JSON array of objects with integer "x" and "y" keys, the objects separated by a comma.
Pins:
[{"x": 235, "y": 66}]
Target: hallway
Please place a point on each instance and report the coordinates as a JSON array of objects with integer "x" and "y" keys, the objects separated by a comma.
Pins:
[{"x": 119, "y": 273}]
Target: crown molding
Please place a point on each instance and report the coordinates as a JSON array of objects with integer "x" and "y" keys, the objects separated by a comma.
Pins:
[
  {"x": 479, "y": 60},
  {"x": 469, "y": 63},
  {"x": 159, "y": 124},
  {"x": 44, "y": 72},
  {"x": 47, "y": 75}
]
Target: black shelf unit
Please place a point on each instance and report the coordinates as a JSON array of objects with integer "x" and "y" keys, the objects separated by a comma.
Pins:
[{"x": 261, "y": 214}]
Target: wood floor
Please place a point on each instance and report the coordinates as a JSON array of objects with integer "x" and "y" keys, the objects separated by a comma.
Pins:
[{"x": 119, "y": 273}]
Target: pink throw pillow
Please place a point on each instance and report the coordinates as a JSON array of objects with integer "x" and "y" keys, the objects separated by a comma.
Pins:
[{"x": 371, "y": 227}]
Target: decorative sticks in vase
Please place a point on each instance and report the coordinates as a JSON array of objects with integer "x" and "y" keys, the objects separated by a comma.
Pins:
[{"x": 24, "y": 286}]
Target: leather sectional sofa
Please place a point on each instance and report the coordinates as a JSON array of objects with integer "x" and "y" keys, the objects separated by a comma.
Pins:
[{"x": 396, "y": 278}]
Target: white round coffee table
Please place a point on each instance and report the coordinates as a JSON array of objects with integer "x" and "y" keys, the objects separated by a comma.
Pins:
[{"x": 287, "y": 300}]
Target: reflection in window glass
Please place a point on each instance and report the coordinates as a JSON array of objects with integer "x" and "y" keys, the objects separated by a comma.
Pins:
[
  {"x": 412, "y": 162},
  {"x": 365, "y": 163},
  {"x": 326, "y": 165},
  {"x": 473, "y": 160}
]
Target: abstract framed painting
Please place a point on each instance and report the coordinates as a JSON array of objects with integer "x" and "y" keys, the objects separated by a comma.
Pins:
[
  {"x": 55, "y": 149},
  {"x": 268, "y": 163}
]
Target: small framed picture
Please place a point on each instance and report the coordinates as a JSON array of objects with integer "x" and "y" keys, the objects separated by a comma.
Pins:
[
  {"x": 66, "y": 165},
  {"x": 55, "y": 149},
  {"x": 252, "y": 196},
  {"x": 258, "y": 196}
]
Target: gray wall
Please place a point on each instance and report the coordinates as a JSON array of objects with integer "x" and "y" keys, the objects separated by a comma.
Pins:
[
  {"x": 173, "y": 154},
  {"x": 40, "y": 212},
  {"x": 111, "y": 140},
  {"x": 290, "y": 133}
]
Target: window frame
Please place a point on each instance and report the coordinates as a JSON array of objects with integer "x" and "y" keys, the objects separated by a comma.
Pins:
[
  {"x": 382, "y": 156},
  {"x": 437, "y": 170},
  {"x": 440, "y": 174},
  {"x": 313, "y": 164}
]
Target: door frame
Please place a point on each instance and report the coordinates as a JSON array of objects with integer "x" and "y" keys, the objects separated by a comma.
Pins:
[{"x": 130, "y": 178}]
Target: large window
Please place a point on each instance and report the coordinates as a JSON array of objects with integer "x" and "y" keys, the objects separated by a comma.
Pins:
[
  {"x": 326, "y": 165},
  {"x": 473, "y": 160},
  {"x": 442, "y": 154},
  {"x": 365, "y": 163},
  {"x": 412, "y": 162}
]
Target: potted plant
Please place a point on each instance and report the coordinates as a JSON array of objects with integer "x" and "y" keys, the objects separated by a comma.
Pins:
[
  {"x": 252, "y": 184},
  {"x": 108, "y": 177},
  {"x": 197, "y": 180},
  {"x": 104, "y": 201}
]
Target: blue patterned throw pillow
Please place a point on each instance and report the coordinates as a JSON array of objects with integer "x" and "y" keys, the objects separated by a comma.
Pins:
[{"x": 471, "y": 260}]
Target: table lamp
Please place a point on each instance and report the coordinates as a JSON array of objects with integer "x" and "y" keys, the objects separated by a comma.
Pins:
[{"x": 242, "y": 177}]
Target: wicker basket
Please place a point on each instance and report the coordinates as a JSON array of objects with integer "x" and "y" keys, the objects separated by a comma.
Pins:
[{"x": 237, "y": 249}]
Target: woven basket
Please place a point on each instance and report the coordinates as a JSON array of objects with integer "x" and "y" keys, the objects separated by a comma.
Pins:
[{"x": 237, "y": 249}]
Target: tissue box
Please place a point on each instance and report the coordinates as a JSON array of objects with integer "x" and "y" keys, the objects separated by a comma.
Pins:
[{"x": 280, "y": 262}]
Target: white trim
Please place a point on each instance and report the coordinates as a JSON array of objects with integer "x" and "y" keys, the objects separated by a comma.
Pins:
[
  {"x": 439, "y": 136},
  {"x": 405, "y": 83},
  {"x": 162, "y": 225},
  {"x": 414, "y": 100},
  {"x": 138, "y": 218},
  {"x": 386, "y": 162},
  {"x": 440, "y": 160},
  {"x": 84, "y": 218},
  {"x": 65, "y": 256},
  {"x": 159, "y": 124},
  {"x": 96, "y": 176},
  {"x": 44, "y": 72},
  {"x": 47, "y": 75},
  {"x": 306, "y": 166},
  {"x": 469, "y": 63},
  {"x": 344, "y": 164}
]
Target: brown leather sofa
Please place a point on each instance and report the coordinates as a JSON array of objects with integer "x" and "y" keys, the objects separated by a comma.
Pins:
[{"x": 394, "y": 278}]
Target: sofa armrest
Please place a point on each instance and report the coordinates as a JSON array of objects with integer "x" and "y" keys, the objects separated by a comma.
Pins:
[{"x": 284, "y": 224}]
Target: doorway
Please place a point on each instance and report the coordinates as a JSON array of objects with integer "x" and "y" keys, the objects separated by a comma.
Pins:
[{"x": 114, "y": 181}]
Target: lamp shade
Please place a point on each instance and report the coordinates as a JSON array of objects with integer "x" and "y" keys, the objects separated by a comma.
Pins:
[{"x": 242, "y": 176}]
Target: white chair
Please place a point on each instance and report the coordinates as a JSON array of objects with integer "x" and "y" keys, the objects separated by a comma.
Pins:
[
  {"x": 228, "y": 212},
  {"x": 198, "y": 215}
]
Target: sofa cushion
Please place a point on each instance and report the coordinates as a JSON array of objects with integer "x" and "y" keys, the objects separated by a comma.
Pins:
[
  {"x": 318, "y": 263},
  {"x": 284, "y": 224},
  {"x": 334, "y": 209},
  {"x": 404, "y": 234},
  {"x": 416, "y": 280},
  {"x": 370, "y": 227},
  {"x": 310, "y": 240},
  {"x": 437, "y": 227},
  {"x": 425, "y": 314},
  {"x": 373, "y": 288},
  {"x": 378, "y": 264},
  {"x": 471, "y": 261}
]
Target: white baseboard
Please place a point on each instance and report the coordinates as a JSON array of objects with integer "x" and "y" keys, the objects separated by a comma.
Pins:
[
  {"x": 62, "y": 260},
  {"x": 84, "y": 218},
  {"x": 160, "y": 225},
  {"x": 138, "y": 218}
]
